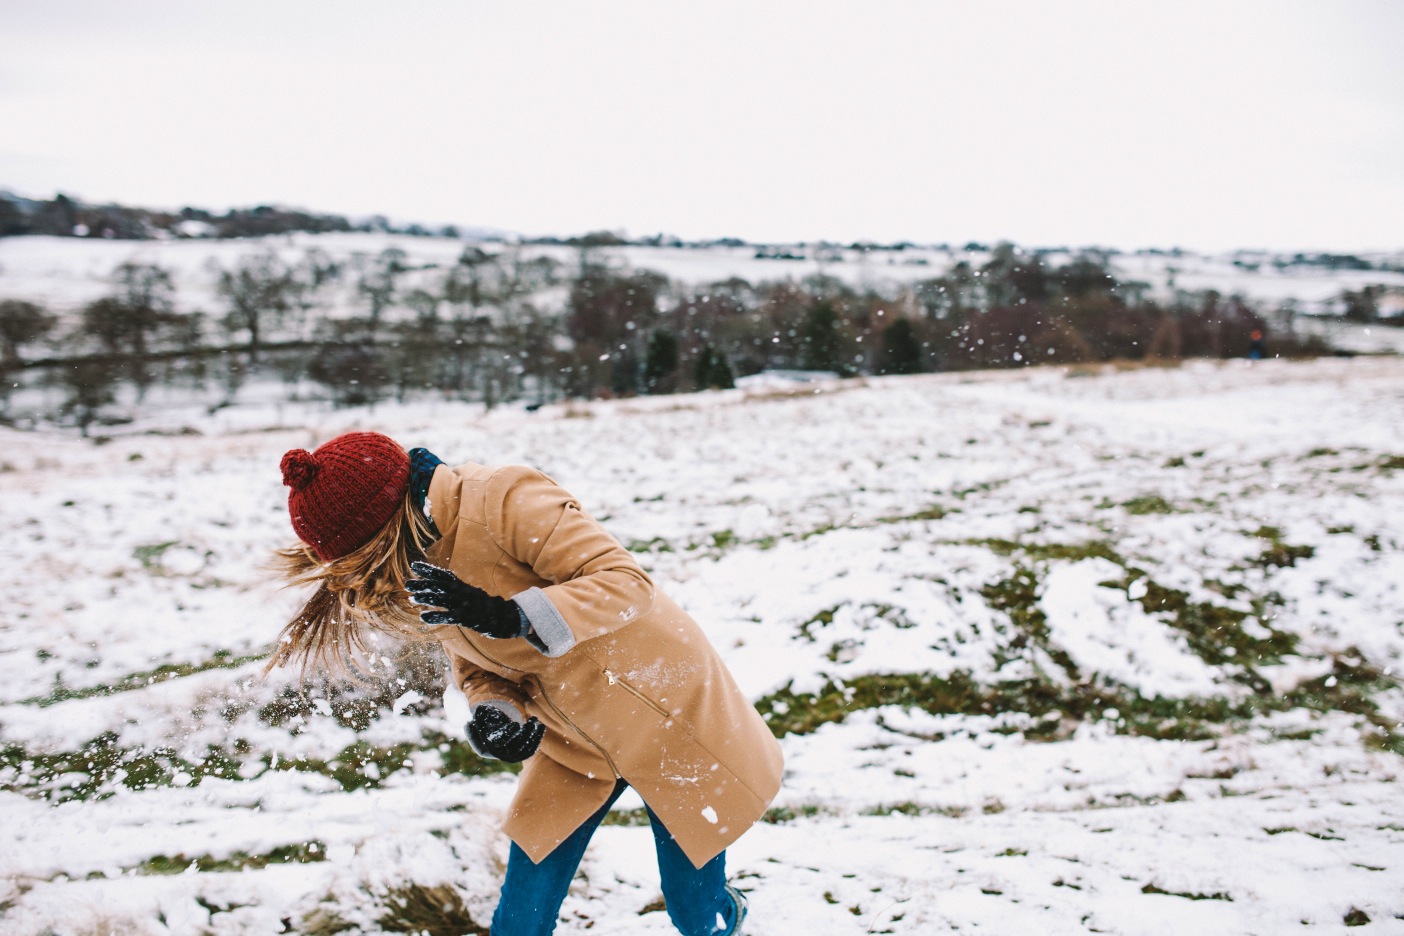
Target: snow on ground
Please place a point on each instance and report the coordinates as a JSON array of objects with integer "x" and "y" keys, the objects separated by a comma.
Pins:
[{"x": 1059, "y": 650}]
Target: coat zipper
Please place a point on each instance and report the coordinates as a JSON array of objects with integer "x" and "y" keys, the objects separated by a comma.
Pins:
[
  {"x": 616, "y": 681},
  {"x": 565, "y": 718},
  {"x": 554, "y": 707}
]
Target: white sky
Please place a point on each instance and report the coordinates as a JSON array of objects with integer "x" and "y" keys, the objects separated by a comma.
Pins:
[{"x": 1206, "y": 125}]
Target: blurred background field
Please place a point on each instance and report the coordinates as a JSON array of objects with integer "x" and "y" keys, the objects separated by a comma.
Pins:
[{"x": 103, "y": 332}]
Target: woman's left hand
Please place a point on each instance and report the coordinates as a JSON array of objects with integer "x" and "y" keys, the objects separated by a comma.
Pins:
[
  {"x": 463, "y": 605},
  {"x": 494, "y": 733}
]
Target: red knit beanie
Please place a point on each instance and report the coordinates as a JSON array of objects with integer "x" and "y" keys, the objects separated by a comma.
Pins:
[{"x": 345, "y": 491}]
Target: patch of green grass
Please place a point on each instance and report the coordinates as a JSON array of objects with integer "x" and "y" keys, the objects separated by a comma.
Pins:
[
  {"x": 1215, "y": 633},
  {"x": 788, "y": 712},
  {"x": 914, "y": 809},
  {"x": 822, "y": 619},
  {"x": 96, "y": 769},
  {"x": 656, "y": 545},
  {"x": 428, "y": 911},
  {"x": 934, "y": 512},
  {"x": 632, "y": 818},
  {"x": 892, "y": 615},
  {"x": 223, "y": 659},
  {"x": 841, "y": 649},
  {"x": 777, "y": 815},
  {"x": 984, "y": 487},
  {"x": 358, "y": 765},
  {"x": 725, "y": 539},
  {"x": 424, "y": 910},
  {"x": 818, "y": 531},
  {"x": 301, "y": 853},
  {"x": 1350, "y": 687},
  {"x": 1049, "y": 705},
  {"x": 1153, "y": 889},
  {"x": 1279, "y": 554},
  {"x": 150, "y": 556},
  {"x": 1240, "y": 641},
  {"x": 459, "y": 758},
  {"x": 362, "y": 765},
  {"x": 1017, "y": 597},
  {"x": 1391, "y": 462},
  {"x": 1148, "y": 504},
  {"x": 1045, "y": 552}
]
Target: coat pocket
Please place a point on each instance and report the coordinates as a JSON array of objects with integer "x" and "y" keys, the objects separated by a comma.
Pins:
[{"x": 637, "y": 693}]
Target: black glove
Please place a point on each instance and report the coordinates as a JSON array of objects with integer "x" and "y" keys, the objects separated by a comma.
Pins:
[
  {"x": 464, "y": 605},
  {"x": 493, "y": 733}
]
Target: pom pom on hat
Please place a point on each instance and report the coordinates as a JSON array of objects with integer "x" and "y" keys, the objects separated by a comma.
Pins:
[
  {"x": 299, "y": 468},
  {"x": 345, "y": 491}
]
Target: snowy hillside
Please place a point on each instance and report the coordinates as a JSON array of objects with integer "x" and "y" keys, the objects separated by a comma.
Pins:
[
  {"x": 65, "y": 273},
  {"x": 1059, "y": 650}
]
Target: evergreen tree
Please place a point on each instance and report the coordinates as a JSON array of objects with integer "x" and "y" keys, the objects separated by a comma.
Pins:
[
  {"x": 820, "y": 340},
  {"x": 661, "y": 362},
  {"x": 712, "y": 371},
  {"x": 624, "y": 373},
  {"x": 901, "y": 351}
]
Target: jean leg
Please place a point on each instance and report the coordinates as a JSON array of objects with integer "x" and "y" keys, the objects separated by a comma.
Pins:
[
  {"x": 532, "y": 893},
  {"x": 698, "y": 903}
]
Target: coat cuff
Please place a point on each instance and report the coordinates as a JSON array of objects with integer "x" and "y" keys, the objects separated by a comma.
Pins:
[
  {"x": 549, "y": 632},
  {"x": 503, "y": 706}
]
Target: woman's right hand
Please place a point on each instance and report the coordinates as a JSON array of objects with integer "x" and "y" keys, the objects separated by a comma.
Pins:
[{"x": 463, "y": 605}]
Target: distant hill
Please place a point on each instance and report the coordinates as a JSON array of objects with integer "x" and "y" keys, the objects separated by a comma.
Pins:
[{"x": 64, "y": 216}]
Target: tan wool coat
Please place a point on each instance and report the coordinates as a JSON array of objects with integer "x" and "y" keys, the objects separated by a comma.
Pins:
[{"x": 624, "y": 681}]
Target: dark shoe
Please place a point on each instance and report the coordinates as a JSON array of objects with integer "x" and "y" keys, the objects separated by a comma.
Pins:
[{"x": 739, "y": 899}]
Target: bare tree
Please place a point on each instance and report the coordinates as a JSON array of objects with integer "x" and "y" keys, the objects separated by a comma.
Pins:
[
  {"x": 147, "y": 294},
  {"x": 378, "y": 283},
  {"x": 91, "y": 383},
  {"x": 314, "y": 272},
  {"x": 260, "y": 291},
  {"x": 21, "y": 323}
]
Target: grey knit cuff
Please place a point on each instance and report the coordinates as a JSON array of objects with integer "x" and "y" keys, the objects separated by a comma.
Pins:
[
  {"x": 503, "y": 706},
  {"x": 549, "y": 632}
]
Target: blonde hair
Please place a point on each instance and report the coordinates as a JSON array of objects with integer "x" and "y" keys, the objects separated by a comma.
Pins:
[{"x": 365, "y": 589}]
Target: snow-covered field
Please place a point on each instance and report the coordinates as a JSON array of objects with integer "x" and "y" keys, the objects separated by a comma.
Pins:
[{"x": 1053, "y": 651}]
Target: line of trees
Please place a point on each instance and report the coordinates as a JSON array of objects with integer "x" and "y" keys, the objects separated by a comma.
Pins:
[
  {"x": 63, "y": 216},
  {"x": 505, "y": 326}
]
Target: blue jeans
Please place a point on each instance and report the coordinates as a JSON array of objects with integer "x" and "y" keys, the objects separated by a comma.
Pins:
[{"x": 698, "y": 903}]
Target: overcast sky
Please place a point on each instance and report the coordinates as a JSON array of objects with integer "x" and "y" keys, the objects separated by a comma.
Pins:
[{"x": 1205, "y": 125}]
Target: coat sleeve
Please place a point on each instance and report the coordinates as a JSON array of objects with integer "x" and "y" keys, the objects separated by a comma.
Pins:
[
  {"x": 596, "y": 585},
  {"x": 483, "y": 688}
]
